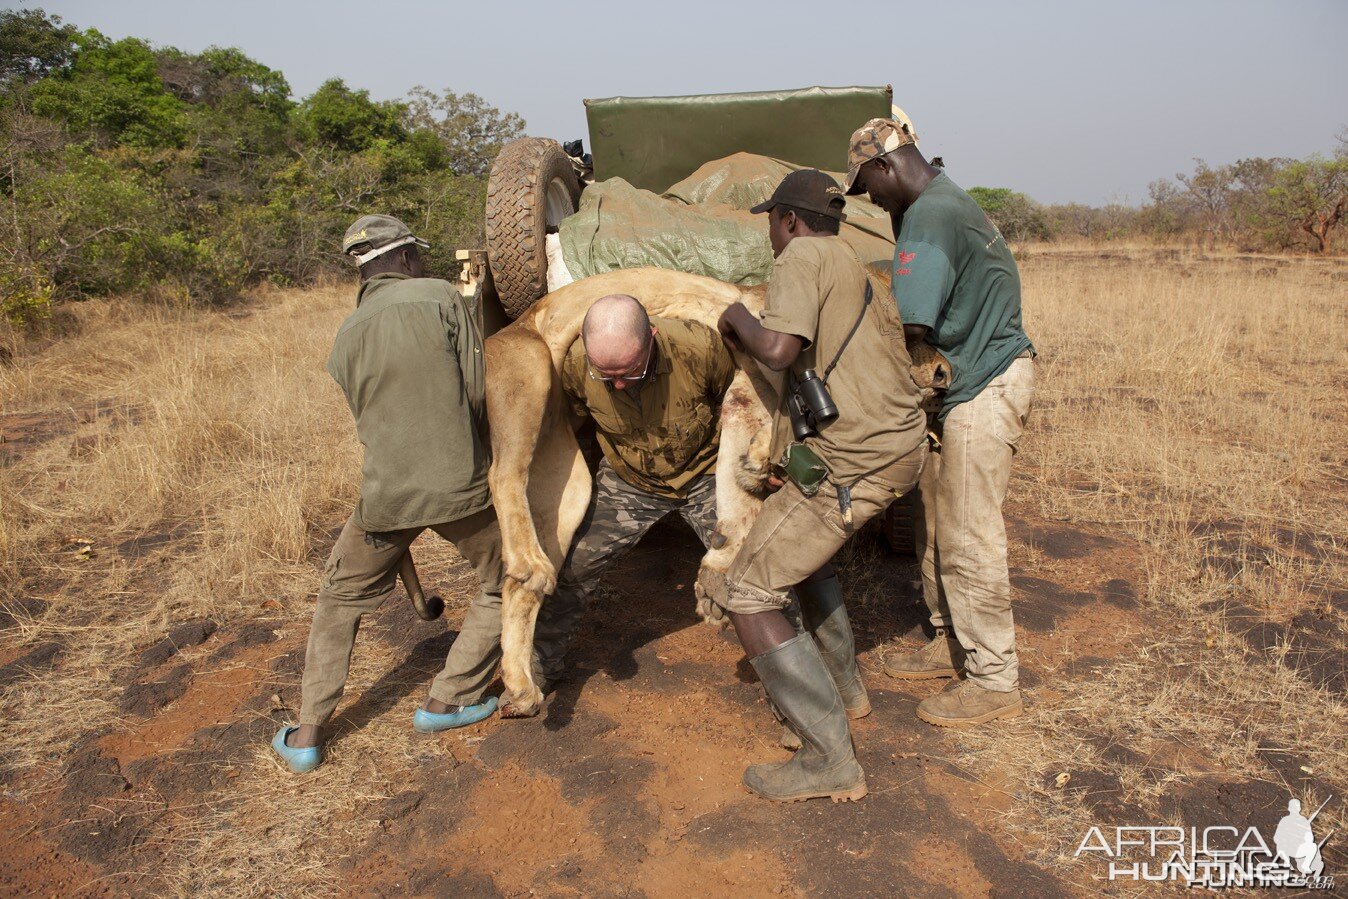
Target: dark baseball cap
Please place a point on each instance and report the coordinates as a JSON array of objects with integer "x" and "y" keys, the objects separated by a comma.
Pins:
[{"x": 808, "y": 189}]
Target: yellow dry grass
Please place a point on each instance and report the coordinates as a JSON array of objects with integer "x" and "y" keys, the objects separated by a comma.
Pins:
[
  {"x": 1194, "y": 402},
  {"x": 223, "y": 432},
  {"x": 1181, "y": 396}
]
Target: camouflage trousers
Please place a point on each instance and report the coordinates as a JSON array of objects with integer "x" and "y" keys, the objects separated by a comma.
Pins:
[{"x": 618, "y": 517}]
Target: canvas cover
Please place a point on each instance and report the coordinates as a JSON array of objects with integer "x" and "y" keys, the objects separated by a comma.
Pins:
[
  {"x": 702, "y": 224},
  {"x": 651, "y": 142}
]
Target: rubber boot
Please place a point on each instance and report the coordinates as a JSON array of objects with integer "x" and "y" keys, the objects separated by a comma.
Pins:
[
  {"x": 825, "y": 617},
  {"x": 799, "y": 685}
]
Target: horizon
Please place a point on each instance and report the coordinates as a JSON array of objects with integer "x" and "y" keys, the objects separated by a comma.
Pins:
[{"x": 1132, "y": 124}]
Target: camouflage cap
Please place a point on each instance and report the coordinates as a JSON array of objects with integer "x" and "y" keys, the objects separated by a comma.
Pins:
[
  {"x": 875, "y": 138},
  {"x": 374, "y": 235}
]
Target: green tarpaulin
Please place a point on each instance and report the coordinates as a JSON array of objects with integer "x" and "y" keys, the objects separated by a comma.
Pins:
[
  {"x": 701, "y": 225},
  {"x": 653, "y": 141}
]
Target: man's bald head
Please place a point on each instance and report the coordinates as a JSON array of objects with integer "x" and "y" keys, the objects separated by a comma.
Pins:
[{"x": 617, "y": 334}]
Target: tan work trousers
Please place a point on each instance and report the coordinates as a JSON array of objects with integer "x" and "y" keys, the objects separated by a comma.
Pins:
[
  {"x": 360, "y": 575},
  {"x": 795, "y": 535},
  {"x": 964, "y": 575}
]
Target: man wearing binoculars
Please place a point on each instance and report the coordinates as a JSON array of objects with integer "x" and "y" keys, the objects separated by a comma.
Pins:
[{"x": 849, "y": 438}]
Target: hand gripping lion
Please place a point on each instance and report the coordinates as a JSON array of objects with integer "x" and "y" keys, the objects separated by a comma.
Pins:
[{"x": 539, "y": 480}]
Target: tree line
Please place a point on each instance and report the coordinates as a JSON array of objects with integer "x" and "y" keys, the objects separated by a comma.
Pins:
[
  {"x": 194, "y": 176},
  {"x": 1252, "y": 204},
  {"x": 191, "y": 177}
]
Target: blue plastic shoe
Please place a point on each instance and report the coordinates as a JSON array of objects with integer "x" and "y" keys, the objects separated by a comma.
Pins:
[
  {"x": 298, "y": 760},
  {"x": 428, "y": 723}
]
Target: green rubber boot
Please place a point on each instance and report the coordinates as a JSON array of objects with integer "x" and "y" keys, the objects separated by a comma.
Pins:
[
  {"x": 799, "y": 685},
  {"x": 825, "y": 617}
]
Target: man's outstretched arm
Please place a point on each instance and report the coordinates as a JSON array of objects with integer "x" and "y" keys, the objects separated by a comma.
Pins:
[{"x": 741, "y": 330}]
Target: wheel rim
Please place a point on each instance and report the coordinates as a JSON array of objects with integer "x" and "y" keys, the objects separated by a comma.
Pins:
[{"x": 557, "y": 203}]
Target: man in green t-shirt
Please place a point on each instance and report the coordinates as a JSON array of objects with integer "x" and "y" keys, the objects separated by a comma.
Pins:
[{"x": 956, "y": 286}]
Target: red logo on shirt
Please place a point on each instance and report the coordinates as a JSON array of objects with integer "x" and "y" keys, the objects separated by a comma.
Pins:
[{"x": 904, "y": 259}]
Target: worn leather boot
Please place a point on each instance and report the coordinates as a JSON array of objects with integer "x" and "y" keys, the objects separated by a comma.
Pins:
[
  {"x": 965, "y": 703},
  {"x": 799, "y": 685},
  {"x": 942, "y": 657}
]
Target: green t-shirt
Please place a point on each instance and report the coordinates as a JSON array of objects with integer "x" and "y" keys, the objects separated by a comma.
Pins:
[{"x": 954, "y": 273}]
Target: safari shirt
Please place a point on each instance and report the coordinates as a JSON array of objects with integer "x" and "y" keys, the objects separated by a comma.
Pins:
[
  {"x": 954, "y": 273},
  {"x": 665, "y": 436},
  {"x": 409, "y": 360},
  {"x": 817, "y": 292}
]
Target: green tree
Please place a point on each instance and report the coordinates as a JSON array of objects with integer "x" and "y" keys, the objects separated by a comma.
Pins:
[
  {"x": 113, "y": 88},
  {"x": 1016, "y": 215},
  {"x": 90, "y": 226},
  {"x": 349, "y": 120},
  {"x": 1311, "y": 195},
  {"x": 32, "y": 44},
  {"x": 127, "y": 167},
  {"x": 469, "y": 128},
  {"x": 234, "y": 103}
]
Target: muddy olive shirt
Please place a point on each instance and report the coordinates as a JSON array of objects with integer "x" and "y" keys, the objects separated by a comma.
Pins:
[
  {"x": 666, "y": 435},
  {"x": 954, "y": 273},
  {"x": 409, "y": 360},
  {"x": 817, "y": 292}
]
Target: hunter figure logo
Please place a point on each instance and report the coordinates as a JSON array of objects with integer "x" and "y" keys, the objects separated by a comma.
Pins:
[
  {"x": 1295, "y": 841},
  {"x": 1218, "y": 856},
  {"x": 904, "y": 259}
]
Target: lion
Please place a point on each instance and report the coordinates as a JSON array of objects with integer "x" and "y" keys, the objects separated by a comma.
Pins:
[{"x": 539, "y": 480}]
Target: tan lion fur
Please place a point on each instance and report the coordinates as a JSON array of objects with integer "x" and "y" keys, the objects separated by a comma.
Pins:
[{"x": 539, "y": 481}]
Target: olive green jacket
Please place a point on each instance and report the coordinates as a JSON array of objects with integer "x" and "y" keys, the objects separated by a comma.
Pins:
[{"x": 409, "y": 360}]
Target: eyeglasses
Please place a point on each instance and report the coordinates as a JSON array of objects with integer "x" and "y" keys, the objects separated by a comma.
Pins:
[{"x": 650, "y": 354}]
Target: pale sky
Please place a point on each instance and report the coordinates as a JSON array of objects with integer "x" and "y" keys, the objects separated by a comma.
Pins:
[{"x": 1066, "y": 101}]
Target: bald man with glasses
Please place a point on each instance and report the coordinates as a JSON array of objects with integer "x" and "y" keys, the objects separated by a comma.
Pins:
[{"x": 653, "y": 388}]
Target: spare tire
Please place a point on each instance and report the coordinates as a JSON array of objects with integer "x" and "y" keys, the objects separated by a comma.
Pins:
[
  {"x": 531, "y": 188},
  {"x": 900, "y": 525}
]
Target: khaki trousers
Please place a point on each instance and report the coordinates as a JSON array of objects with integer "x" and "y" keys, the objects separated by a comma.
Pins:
[
  {"x": 360, "y": 575},
  {"x": 794, "y": 535},
  {"x": 964, "y": 575}
]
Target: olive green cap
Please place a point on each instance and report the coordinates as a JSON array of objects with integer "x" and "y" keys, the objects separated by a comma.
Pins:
[{"x": 373, "y": 235}]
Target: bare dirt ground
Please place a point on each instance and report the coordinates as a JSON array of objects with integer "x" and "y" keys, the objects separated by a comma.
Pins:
[{"x": 171, "y": 487}]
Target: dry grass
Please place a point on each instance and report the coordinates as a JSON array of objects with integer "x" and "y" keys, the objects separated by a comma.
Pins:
[
  {"x": 224, "y": 433},
  {"x": 222, "y": 436},
  {"x": 1194, "y": 403}
]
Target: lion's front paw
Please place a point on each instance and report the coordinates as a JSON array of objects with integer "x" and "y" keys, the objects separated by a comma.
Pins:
[
  {"x": 525, "y": 706},
  {"x": 711, "y": 593}
]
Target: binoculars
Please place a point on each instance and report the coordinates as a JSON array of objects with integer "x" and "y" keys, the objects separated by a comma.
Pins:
[{"x": 810, "y": 405}]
